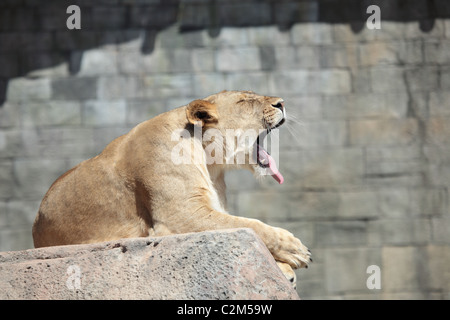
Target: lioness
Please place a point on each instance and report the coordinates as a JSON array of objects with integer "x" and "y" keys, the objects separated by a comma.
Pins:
[{"x": 134, "y": 188}]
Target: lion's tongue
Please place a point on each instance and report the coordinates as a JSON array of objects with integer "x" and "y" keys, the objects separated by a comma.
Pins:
[{"x": 265, "y": 158}]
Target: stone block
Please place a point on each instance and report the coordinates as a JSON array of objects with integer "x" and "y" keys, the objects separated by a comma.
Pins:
[
  {"x": 393, "y": 168},
  {"x": 389, "y": 53},
  {"x": 403, "y": 269},
  {"x": 245, "y": 14},
  {"x": 139, "y": 110},
  {"x": 120, "y": 87},
  {"x": 203, "y": 60},
  {"x": 383, "y": 132},
  {"x": 422, "y": 78},
  {"x": 57, "y": 142},
  {"x": 437, "y": 52},
  {"x": 267, "y": 56},
  {"x": 438, "y": 175},
  {"x": 74, "y": 88},
  {"x": 288, "y": 81},
  {"x": 299, "y": 109},
  {"x": 169, "y": 85},
  {"x": 7, "y": 178},
  {"x": 331, "y": 81},
  {"x": 229, "y": 37},
  {"x": 306, "y": 205},
  {"x": 69, "y": 40},
  {"x": 374, "y": 53},
  {"x": 361, "y": 80},
  {"x": 342, "y": 233},
  {"x": 136, "y": 63},
  {"x": 3, "y": 214},
  {"x": 315, "y": 134},
  {"x": 10, "y": 42},
  {"x": 349, "y": 271},
  {"x": 9, "y": 115},
  {"x": 440, "y": 227},
  {"x": 45, "y": 65},
  {"x": 238, "y": 59},
  {"x": 33, "y": 42},
  {"x": 394, "y": 203},
  {"x": 399, "y": 232},
  {"x": 413, "y": 30},
  {"x": 267, "y": 36},
  {"x": 369, "y": 105},
  {"x": 312, "y": 33},
  {"x": 228, "y": 264},
  {"x": 171, "y": 37},
  {"x": 257, "y": 81},
  {"x": 109, "y": 17},
  {"x": 343, "y": 32},
  {"x": 10, "y": 65},
  {"x": 393, "y": 30},
  {"x": 96, "y": 62},
  {"x": 17, "y": 238},
  {"x": 302, "y": 82},
  {"x": 24, "y": 89},
  {"x": 99, "y": 113},
  {"x": 438, "y": 258},
  {"x": 302, "y": 57},
  {"x": 145, "y": 17},
  {"x": 21, "y": 213},
  {"x": 339, "y": 56},
  {"x": 357, "y": 205},
  {"x": 53, "y": 18},
  {"x": 103, "y": 136},
  {"x": 205, "y": 84},
  {"x": 438, "y": 130},
  {"x": 444, "y": 79},
  {"x": 263, "y": 206},
  {"x": 439, "y": 104},
  {"x": 51, "y": 113},
  {"x": 332, "y": 167},
  {"x": 10, "y": 144},
  {"x": 387, "y": 79},
  {"x": 429, "y": 202},
  {"x": 35, "y": 176}
]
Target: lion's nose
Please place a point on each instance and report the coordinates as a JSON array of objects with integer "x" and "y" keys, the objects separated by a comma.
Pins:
[{"x": 279, "y": 105}]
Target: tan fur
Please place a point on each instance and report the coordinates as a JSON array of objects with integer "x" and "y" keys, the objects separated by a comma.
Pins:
[{"x": 133, "y": 189}]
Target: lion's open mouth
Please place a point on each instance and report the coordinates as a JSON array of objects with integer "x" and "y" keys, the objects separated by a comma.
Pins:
[{"x": 266, "y": 161}]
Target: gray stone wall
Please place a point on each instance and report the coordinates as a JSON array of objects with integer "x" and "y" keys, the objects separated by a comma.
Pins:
[{"x": 365, "y": 155}]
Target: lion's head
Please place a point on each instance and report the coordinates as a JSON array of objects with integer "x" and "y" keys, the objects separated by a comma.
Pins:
[{"x": 234, "y": 125}]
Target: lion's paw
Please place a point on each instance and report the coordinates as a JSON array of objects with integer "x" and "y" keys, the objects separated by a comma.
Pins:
[{"x": 291, "y": 250}]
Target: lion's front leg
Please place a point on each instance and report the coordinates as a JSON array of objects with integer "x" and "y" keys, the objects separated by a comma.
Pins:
[{"x": 281, "y": 243}]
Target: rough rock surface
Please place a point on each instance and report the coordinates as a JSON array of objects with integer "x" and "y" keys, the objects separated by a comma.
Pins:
[{"x": 226, "y": 264}]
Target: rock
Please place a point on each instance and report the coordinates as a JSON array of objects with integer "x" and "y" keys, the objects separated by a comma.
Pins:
[{"x": 225, "y": 264}]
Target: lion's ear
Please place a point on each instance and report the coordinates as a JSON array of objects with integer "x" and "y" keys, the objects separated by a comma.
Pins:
[{"x": 202, "y": 112}]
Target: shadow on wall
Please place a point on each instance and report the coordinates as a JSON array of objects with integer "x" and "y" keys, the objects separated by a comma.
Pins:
[{"x": 34, "y": 35}]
